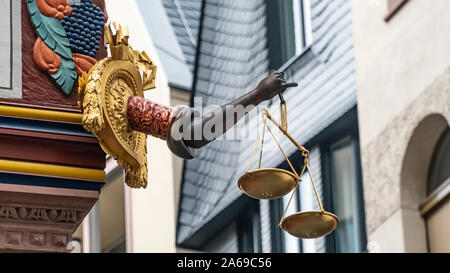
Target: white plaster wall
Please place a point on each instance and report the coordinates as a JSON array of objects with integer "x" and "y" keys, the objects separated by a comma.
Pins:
[
  {"x": 10, "y": 49},
  {"x": 5, "y": 43},
  {"x": 403, "y": 72},
  {"x": 394, "y": 234},
  {"x": 151, "y": 220},
  {"x": 386, "y": 185},
  {"x": 388, "y": 237},
  {"x": 396, "y": 60}
]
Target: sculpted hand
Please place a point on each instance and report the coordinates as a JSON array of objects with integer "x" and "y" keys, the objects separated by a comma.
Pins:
[{"x": 272, "y": 85}]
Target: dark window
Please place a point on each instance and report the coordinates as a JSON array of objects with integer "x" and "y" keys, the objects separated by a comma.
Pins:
[
  {"x": 289, "y": 29},
  {"x": 283, "y": 242},
  {"x": 440, "y": 164},
  {"x": 277, "y": 236},
  {"x": 249, "y": 231}
]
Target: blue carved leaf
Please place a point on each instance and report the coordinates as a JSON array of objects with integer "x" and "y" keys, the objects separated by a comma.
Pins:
[{"x": 66, "y": 75}]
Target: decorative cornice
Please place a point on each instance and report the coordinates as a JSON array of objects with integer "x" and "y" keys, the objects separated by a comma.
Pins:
[
  {"x": 51, "y": 170},
  {"x": 27, "y": 238},
  {"x": 41, "y": 219},
  {"x": 40, "y": 214},
  {"x": 41, "y": 114}
]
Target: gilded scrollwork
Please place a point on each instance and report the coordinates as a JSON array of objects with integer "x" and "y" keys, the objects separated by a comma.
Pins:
[
  {"x": 89, "y": 93},
  {"x": 103, "y": 98},
  {"x": 118, "y": 90},
  {"x": 119, "y": 87}
]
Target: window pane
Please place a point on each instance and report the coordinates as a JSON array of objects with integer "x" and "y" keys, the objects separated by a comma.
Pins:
[
  {"x": 308, "y": 202},
  {"x": 307, "y": 23},
  {"x": 440, "y": 170},
  {"x": 298, "y": 26},
  {"x": 345, "y": 196},
  {"x": 291, "y": 243},
  {"x": 289, "y": 28},
  {"x": 302, "y": 24},
  {"x": 249, "y": 235}
]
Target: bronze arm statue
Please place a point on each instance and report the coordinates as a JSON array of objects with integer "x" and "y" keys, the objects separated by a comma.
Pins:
[{"x": 154, "y": 119}]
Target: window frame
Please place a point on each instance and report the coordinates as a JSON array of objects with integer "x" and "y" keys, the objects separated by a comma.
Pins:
[
  {"x": 277, "y": 234},
  {"x": 277, "y": 37},
  {"x": 433, "y": 182},
  {"x": 277, "y": 240},
  {"x": 343, "y": 130},
  {"x": 346, "y": 125},
  {"x": 441, "y": 191},
  {"x": 248, "y": 228},
  {"x": 277, "y": 208}
]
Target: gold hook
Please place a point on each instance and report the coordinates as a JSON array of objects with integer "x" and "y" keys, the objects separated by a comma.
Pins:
[{"x": 283, "y": 115}]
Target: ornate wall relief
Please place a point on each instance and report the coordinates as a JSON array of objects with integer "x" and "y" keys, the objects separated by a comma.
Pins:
[
  {"x": 68, "y": 38},
  {"x": 34, "y": 219}
]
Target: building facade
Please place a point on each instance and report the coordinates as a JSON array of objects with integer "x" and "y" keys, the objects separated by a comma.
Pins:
[{"x": 402, "y": 61}]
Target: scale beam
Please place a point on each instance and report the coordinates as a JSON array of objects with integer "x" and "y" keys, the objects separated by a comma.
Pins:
[{"x": 286, "y": 133}]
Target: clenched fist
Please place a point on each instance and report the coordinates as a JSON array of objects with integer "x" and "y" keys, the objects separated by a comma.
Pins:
[{"x": 272, "y": 85}]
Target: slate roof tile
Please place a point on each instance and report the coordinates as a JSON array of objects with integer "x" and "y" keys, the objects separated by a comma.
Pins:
[{"x": 191, "y": 10}]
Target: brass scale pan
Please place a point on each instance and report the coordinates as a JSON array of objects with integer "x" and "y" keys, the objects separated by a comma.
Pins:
[{"x": 273, "y": 183}]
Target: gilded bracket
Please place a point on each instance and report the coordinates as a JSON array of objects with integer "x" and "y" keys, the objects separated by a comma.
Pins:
[{"x": 103, "y": 96}]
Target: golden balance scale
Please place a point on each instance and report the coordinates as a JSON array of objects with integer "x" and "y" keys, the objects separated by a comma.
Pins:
[{"x": 273, "y": 183}]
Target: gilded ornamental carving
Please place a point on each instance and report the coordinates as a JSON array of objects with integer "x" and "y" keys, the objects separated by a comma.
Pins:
[{"x": 103, "y": 97}]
